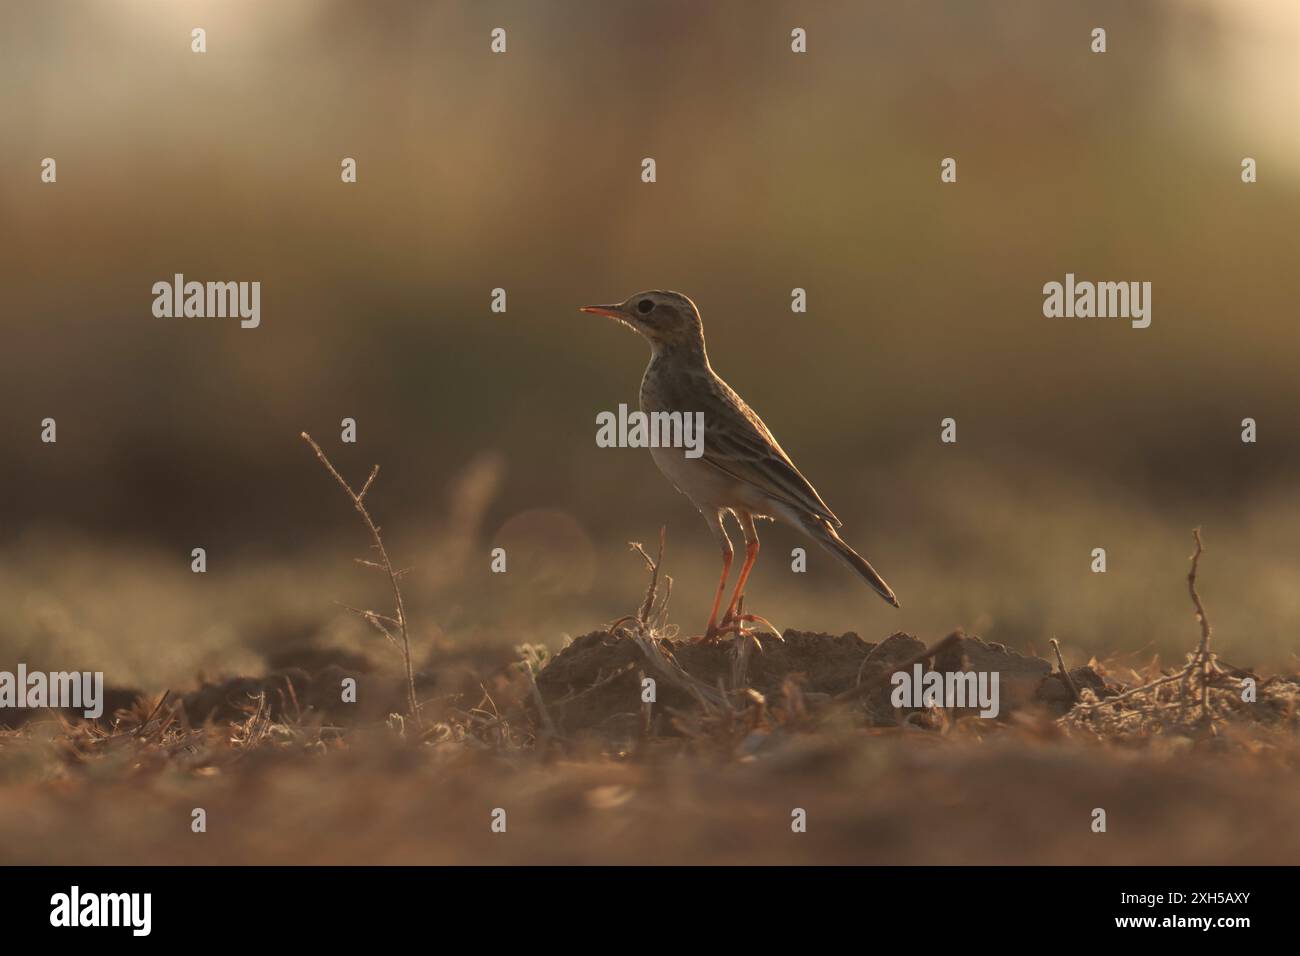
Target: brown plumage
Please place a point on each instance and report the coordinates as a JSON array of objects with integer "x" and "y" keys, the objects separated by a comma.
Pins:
[{"x": 743, "y": 469}]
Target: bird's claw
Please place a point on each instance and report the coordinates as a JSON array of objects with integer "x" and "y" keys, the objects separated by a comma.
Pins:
[
  {"x": 711, "y": 636},
  {"x": 735, "y": 624}
]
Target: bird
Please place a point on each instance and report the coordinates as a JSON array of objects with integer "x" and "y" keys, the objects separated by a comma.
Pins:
[{"x": 742, "y": 469}]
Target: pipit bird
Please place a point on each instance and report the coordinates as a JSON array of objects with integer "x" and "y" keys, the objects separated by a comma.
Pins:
[{"x": 742, "y": 469}]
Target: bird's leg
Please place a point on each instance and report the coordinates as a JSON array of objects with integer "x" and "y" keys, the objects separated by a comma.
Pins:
[
  {"x": 711, "y": 631},
  {"x": 715, "y": 522},
  {"x": 751, "y": 555}
]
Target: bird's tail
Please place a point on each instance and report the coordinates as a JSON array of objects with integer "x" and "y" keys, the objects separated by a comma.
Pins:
[{"x": 828, "y": 538}]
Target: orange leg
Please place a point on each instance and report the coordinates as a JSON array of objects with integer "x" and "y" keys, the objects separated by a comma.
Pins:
[
  {"x": 751, "y": 555},
  {"x": 712, "y": 631}
]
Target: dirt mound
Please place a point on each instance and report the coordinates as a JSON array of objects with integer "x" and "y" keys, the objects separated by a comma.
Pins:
[
  {"x": 595, "y": 679},
  {"x": 308, "y": 680},
  {"x": 595, "y": 682},
  {"x": 289, "y": 693},
  {"x": 114, "y": 699}
]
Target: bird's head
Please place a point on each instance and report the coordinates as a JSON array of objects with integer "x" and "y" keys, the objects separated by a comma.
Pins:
[{"x": 668, "y": 320}]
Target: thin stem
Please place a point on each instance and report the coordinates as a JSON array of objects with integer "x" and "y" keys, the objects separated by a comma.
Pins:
[
  {"x": 383, "y": 561},
  {"x": 1203, "y": 652}
]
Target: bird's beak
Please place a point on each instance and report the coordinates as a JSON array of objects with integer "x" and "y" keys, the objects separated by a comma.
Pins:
[{"x": 609, "y": 311}]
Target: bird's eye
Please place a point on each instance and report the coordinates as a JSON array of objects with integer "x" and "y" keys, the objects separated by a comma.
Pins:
[{"x": 645, "y": 306}]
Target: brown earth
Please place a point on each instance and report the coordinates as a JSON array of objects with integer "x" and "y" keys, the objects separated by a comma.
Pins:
[
  {"x": 289, "y": 776},
  {"x": 595, "y": 682}
]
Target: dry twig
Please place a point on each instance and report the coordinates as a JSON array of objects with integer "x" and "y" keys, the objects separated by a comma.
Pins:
[
  {"x": 1065, "y": 673},
  {"x": 1203, "y": 651},
  {"x": 399, "y": 621},
  {"x": 1200, "y": 665}
]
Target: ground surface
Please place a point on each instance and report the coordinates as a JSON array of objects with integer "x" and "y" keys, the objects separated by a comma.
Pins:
[{"x": 287, "y": 774}]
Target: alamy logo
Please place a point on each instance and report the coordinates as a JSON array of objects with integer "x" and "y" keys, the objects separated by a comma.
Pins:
[
  {"x": 103, "y": 909},
  {"x": 211, "y": 300},
  {"x": 1102, "y": 300},
  {"x": 954, "y": 689},
  {"x": 59, "y": 690},
  {"x": 653, "y": 430}
]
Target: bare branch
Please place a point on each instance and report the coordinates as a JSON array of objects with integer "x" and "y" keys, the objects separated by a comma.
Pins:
[
  {"x": 1201, "y": 661},
  {"x": 400, "y": 620},
  {"x": 1065, "y": 674},
  {"x": 652, "y": 591},
  {"x": 374, "y": 473},
  {"x": 1202, "y": 652}
]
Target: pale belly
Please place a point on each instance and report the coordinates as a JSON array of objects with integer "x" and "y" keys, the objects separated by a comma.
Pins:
[{"x": 708, "y": 487}]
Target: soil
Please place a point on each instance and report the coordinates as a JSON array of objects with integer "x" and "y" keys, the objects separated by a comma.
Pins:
[
  {"x": 595, "y": 682},
  {"x": 708, "y": 789},
  {"x": 310, "y": 679}
]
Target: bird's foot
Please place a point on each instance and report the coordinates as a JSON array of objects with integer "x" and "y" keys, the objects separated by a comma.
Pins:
[
  {"x": 735, "y": 624},
  {"x": 712, "y": 635}
]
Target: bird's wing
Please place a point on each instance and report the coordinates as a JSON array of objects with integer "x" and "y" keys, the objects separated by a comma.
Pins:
[{"x": 737, "y": 442}]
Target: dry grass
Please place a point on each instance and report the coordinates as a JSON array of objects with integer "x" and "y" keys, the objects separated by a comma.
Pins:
[
  {"x": 1199, "y": 699},
  {"x": 298, "y": 791},
  {"x": 1187, "y": 770},
  {"x": 381, "y": 622}
]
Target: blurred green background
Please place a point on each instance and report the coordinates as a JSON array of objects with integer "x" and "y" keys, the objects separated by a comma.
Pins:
[{"x": 521, "y": 171}]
